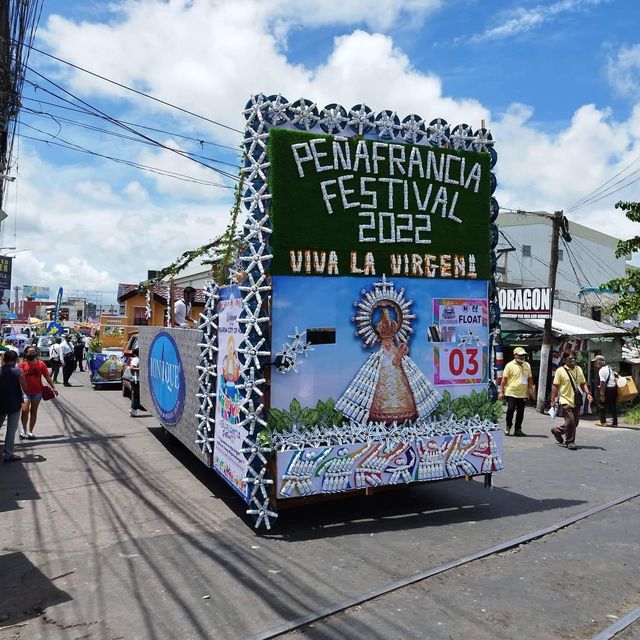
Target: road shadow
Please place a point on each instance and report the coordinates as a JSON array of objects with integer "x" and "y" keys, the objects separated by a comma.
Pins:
[
  {"x": 26, "y": 592},
  {"x": 15, "y": 483},
  {"x": 399, "y": 508}
]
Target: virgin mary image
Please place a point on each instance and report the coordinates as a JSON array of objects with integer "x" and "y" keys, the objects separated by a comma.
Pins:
[{"x": 389, "y": 387}]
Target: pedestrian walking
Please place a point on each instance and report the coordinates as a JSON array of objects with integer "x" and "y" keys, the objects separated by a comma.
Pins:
[
  {"x": 607, "y": 392},
  {"x": 12, "y": 387},
  {"x": 516, "y": 386},
  {"x": 55, "y": 358},
  {"x": 568, "y": 385},
  {"x": 68, "y": 360},
  {"x": 78, "y": 352},
  {"x": 134, "y": 370},
  {"x": 34, "y": 370}
]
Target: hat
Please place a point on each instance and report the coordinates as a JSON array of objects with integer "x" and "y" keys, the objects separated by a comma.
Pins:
[
  {"x": 598, "y": 359},
  {"x": 519, "y": 351}
]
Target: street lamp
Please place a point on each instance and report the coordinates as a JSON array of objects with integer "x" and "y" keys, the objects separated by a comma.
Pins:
[{"x": 7, "y": 177}]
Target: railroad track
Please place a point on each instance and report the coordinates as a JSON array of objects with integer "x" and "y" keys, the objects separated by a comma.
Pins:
[{"x": 327, "y": 612}]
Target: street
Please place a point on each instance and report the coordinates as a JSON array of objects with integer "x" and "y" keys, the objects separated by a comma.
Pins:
[{"x": 110, "y": 531}]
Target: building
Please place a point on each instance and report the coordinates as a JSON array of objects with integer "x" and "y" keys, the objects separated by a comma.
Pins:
[
  {"x": 133, "y": 304},
  {"x": 579, "y": 320},
  {"x": 586, "y": 262}
]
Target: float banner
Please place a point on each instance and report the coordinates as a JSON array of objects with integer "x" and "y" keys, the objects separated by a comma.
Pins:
[
  {"x": 390, "y": 348},
  {"x": 359, "y": 207},
  {"x": 166, "y": 377},
  {"x": 56, "y": 313},
  {"x": 35, "y": 293},
  {"x": 228, "y": 459},
  {"x": 5, "y": 273},
  {"x": 525, "y": 302}
]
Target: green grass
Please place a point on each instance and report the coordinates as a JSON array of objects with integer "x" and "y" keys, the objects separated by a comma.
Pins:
[{"x": 632, "y": 416}]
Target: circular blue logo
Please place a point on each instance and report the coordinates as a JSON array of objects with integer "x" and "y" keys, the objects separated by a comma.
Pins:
[{"x": 166, "y": 377}]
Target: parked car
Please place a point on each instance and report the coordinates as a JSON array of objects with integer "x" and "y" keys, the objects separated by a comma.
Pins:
[{"x": 43, "y": 343}]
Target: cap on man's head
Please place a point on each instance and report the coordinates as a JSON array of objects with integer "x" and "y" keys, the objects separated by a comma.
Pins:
[
  {"x": 519, "y": 351},
  {"x": 598, "y": 359}
]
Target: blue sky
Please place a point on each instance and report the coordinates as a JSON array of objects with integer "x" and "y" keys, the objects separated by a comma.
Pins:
[{"x": 556, "y": 82}]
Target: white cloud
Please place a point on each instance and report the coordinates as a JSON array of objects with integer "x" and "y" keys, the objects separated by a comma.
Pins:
[
  {"x": 111, "y": 225},
  {"x": 521, "y": 20},
  {"x": 623, "y": 71}
]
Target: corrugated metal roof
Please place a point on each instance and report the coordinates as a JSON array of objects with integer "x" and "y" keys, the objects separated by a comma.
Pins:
[{"x": 571, "y": 324}]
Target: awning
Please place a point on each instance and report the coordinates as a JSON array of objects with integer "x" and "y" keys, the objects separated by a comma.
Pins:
[{"x": 571, "y": 324}]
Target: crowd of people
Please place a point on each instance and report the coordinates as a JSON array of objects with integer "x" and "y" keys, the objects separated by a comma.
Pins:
[{"x": 25, "y": 380}]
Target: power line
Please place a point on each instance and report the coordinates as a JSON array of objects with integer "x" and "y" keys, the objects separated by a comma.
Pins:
[
  {"x": 57, "y": 119},
  {"x": 589, "y": 198},
  {"x": 126, "y": 127},
  {"x": 136, "y": 91},
  {"x": 200, "y": 141},
  {"x": 171, "y": 174}
]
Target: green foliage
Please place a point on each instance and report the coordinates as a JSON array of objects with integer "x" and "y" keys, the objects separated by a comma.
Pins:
[
  {"x": 95, "y": 345},
  {"x": 476, "y": 404},
  {"x": 627, "y": 287},
  {"x": 324, "y": 414},
  {"x": 629, "y": 411}
]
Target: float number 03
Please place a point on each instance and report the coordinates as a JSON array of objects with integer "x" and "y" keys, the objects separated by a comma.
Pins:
[{"x": 464, "y": 362}]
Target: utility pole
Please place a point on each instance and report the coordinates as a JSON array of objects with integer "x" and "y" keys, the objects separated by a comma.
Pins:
[{"x": 547, "y": 338}]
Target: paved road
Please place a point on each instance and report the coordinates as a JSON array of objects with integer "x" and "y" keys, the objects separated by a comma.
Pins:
[{"x": 107, "y": 532}]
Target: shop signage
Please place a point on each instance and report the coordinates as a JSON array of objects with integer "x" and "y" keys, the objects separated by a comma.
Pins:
[{"x": 525, "y": 302}]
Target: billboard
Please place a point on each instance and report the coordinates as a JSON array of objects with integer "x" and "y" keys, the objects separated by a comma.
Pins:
[
  {"x": 35, "y": 293},
  {"x": 525, "y": 302},
  {"x": 5, "y": 276}
]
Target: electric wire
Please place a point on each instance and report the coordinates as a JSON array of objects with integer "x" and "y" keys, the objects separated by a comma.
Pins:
[
  {"x": 585, "y": 199},
  {"x": 200, "y": 141},
  {"x": 137, "y": 165},
  {"x": 126, "y": 127},
  {"x": 136, "y": 91},
  {"x": 115, "y": 134}
]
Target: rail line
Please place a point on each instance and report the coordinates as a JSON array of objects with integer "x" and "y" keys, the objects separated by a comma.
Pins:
[{"x": 337, "y": 607}]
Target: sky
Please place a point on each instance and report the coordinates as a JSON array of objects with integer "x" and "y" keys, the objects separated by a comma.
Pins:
[{"x": 557, "y": 83}]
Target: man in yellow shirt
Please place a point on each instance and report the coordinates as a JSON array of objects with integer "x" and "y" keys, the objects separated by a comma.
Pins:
[
  {"x": 567, "y": 382},
  {"x": 516, "y": 385}
]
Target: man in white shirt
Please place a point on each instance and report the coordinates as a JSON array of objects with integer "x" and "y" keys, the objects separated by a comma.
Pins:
[
  {"x": 9, "y": 343},
  {"x": 182, "y": 308},
  {"x": 68, "y": 360},
  {"x": 55, "y": 358},
  {"x": 607, "y": 392}
]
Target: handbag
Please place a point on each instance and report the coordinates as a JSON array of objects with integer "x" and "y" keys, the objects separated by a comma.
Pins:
[
  {"x": 578, "y": 397},
  {"x": 48, "y": 393}
]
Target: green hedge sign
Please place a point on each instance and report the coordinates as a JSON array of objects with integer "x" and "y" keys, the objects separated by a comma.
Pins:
[{"x": 352, "y": 206}]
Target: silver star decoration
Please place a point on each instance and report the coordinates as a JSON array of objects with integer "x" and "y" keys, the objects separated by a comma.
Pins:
[
  {"x": 303, "y": 114},
  {"x": 255, "y": 288},
  {"x": 253, "y": 352}
]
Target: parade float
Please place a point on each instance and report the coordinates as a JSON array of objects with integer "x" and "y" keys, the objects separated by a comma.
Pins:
[{"x": 350, "y": 348}]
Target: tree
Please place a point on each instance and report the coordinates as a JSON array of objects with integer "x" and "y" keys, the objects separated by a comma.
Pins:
[{"x": 628, "y": 286}]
